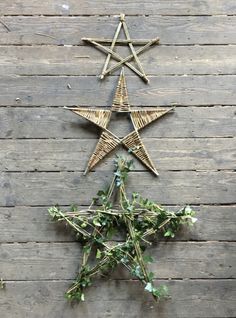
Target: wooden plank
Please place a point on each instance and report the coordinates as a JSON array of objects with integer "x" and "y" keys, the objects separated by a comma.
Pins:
[
  {"x": 65, "y": 188},
  {"x": 73, "y": 7},
  {"x": 27, "y": 30},
  {"x": 171, "y": 260},
  {"x": 90, "y": 91},
  {"x": 71, "y": 154},
  {"x": 21, "y": 122},
  {"x": 83, "y": 60},
  {"x": 191, "y": 298},
  {"x": 27, "y": 224}
]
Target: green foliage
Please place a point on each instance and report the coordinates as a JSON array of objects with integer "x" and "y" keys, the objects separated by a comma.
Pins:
[
  {"x": 96, "y": 227},
  {"x": 2, "y": 284}
]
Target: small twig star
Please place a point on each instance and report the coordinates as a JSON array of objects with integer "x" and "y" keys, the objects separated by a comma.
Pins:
[{"x": 112, "y": 54}]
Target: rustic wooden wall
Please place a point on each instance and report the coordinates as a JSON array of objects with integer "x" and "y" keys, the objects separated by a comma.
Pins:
[{"x": 44, "y": 148}]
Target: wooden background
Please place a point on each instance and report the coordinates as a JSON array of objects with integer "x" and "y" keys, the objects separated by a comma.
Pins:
[{"x": 44, "y": 149}]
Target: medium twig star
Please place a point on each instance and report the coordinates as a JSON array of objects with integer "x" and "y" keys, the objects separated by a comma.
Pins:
[
  {"x": 109, "y": 141},
  {"x": 98, "y": 43}
]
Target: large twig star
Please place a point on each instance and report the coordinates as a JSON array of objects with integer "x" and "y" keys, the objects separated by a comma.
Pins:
[
  {"x": 109, "y": 141},
  {"x": 97, "y": 226},
  {"x": 112, "y": 54}
]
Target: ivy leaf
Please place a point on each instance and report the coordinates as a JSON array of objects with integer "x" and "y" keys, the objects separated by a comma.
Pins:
[
  {"x": 74, "y": 208},
  {"x": 161, "y": 291},
  {"x": 87, "y": 249},
  {"x": 149, "y": 287},
  {"x": 98, "y": 254},
  {"x": 101, "y": 192},
  {"x": 148, "y": 259},
  {"x": 96, "y": 222},
  {"x": 169, "y": 233},
  {"x": 188, "y": 209},
  {"x": 150, "y": 276},
  {"x": 194, "y": 220}
]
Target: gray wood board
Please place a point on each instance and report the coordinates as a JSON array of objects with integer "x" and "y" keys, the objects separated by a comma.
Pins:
[
  {"x": 28, "y": 30},
  {"x": 189, "y": 298},
  {"x": 84, "y": 60},
  {"x": 43, "y": 122},
  {"x": 27, "y": 224},
  {"x": 193, "y": 68},
  {"x": 171, "y": 260},
  {"x": 75, "y": 7},
  {"x": 72, "y": 154},
  {"x": 91, "y": 91},
  {"x": 65, "y": 188}
]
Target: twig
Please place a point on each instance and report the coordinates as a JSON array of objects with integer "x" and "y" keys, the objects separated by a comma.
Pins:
[
  {"x": 5, "y": 25},
  {"x": 82, "y": 56},
  {"x": 46, "y": 35}
]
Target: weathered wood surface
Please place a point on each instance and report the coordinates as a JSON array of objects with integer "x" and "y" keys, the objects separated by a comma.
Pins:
[
  {"x": 72, "y": 154},
  {"x": 65, "y": 188},
  {"x": 74, "y": 7},
  {"x": 185, "y": 122},
  {"x": 69, "y": 30},
  {"x": 27, "y": 224},
  {"x": 84, "y": 60},
  {"x": 162, "y": 90},
  {"x": 198, "y": 298},
  {"x": 194, "y": 68},
  {"x": 171, "y": 259}
]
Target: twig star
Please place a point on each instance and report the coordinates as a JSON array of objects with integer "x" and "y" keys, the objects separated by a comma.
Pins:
[
  {"x": 99, "y": 44},
  {"x": 108, "y": 141}
]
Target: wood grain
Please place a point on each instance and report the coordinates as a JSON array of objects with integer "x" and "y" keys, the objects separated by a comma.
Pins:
[
  {"x": 84, "y": 60},
  {"x": 185, "y": 122},
  {"x": 162, "y": 90},
  {"x": 74, "y": 7},
  {"x": 173, "y": 259},
  {"x": 27, "y": 224},
  {"x": 201, "y": 298},
  {"x": 65, "y": 188},
  {"x": 72, "y": 154},
  {"x": 29, "y": 30}
]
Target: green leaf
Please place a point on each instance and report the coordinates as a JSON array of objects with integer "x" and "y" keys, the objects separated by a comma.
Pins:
[
  {"x": 87, "y": 249},
  {"x": 2, "y": 284},
  {"x": 148, "y": 259},
  {"x": 135, "y": 195},
  {"x": 96, "y": 222},
  {"x": 101, "y": 192},
  {"x": 74, "y": 208},
  {"x": 150, "y": 276},
  {"x": 161, "y": 291},
  {"x": 149, "y": 287},
  {"x": 169, "y": 233},
  {"x": 98, "y": 254},
  {"x": 82, "y": 296}
]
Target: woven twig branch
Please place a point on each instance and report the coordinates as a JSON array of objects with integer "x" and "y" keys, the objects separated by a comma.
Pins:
[
  {"x": 100, "y": 117},
  {"x": 142, "y": 118},
  {"x": 133, "y": 142},
  {"x": 107, "y": 142},
  {"x": 120, "y": 101}
]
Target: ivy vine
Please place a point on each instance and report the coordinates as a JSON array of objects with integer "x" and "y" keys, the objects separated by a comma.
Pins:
[{"x": 97, "y": 226}]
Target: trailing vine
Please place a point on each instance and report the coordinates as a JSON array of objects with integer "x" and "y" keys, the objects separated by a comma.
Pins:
[{"x": 96, "y": 227}]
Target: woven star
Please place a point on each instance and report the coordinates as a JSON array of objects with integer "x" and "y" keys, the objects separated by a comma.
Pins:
[
  {"x": 98, "y": 43},
  {"x": 108, "y": 141}
]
